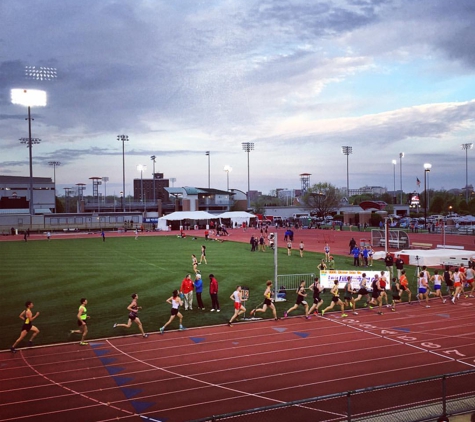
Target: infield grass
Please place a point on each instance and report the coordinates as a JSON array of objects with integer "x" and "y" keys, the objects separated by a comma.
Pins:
[{"x": 56, "y": 274}]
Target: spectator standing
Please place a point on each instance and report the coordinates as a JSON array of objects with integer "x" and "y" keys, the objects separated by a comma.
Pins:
[
  {"x": 187, "y": 290},
  {"x": 356, "y": 256},
  {"x": 389, "y": 262},
  {"x": 399, "y": 266},
  {"x": 213, "y": 292},
  {"x": 352, "y": 245},
  {"x": 198, "y": 283}
]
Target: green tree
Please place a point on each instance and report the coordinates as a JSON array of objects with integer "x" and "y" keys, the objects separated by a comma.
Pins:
[{"x": 322, "y": 198}]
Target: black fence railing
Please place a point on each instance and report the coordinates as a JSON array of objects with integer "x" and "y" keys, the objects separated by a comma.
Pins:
[{"x": 427, "y": 399}]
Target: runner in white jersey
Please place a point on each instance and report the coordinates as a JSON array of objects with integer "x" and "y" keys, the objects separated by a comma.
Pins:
[
  {"x": 423, "y": 292},
  {"x": 436, "y": 280}
]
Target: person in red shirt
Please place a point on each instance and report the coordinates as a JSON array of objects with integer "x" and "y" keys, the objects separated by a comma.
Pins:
[
  {"x": 186, "y": 290},
  {"x": 213, "y": 292}
]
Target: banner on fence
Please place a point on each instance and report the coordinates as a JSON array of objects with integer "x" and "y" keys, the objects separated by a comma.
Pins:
[{"x": 327, "y": 278}]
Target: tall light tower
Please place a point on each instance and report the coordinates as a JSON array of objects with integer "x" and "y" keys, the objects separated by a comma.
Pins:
[
  {"x": 123, "y": 139},
  {"x": 347, "y": 150},
  {"x": 105, "y": 179},
  {"x": 141, "y": 168},
  {"x": 401, "y": 156},
  {"x": 248, "y": 147},
  {"x": 29, "y": 98},
  {"x": 227, "y": 169},
  {"x": 153, "y": 174},
  {"x": 209, "y": 169},
  {"x": 466, "y": 147},
  {"x": 394, "y": 194},
  {"x": 427, "y": 168},
  {"x": 54, "y": 164}
]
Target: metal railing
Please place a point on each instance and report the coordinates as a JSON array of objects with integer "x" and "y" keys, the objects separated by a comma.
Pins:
[{"x": 425, "y": 399}]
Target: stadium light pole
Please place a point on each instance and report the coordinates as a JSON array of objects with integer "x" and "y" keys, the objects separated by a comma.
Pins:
[
  {"x": 29, "y": 98},
  {"x": 209, "y": 169},
  {"x": 401, "y": 156},
  {"x": 347, "y": 150},
  {"x": 466, "y": 147},
  {"x": 123, "y": 139},
  {"x": 227, "y": 169},
  {"x": 141, "y": 168},
  {"x": 54, "y": 164},
  {"x": 153, "y": 157},
  {"x": 248, "y": 147},
  {"x": 394, "y": 178},
  {"x": 427, "y": 168}
]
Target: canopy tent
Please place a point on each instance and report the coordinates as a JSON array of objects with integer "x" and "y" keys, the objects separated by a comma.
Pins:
[
  {"x": 183, "y": 215},
  {"x": 237, "y": 217},
  {"x": 188, "y": 215}
]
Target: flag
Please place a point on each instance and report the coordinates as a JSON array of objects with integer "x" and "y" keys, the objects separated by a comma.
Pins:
[{"x": 418, "y": 183}]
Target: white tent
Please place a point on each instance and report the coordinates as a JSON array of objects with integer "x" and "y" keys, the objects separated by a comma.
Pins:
[
  {"x": 188, "y": 215},
  {"x": 238, "y": 217},
  {"x": 183, "y": 215}
]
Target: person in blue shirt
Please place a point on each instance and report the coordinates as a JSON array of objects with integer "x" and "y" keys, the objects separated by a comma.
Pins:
[
  {"x": 198, "y": 283},
  {"x": 364, "y": 252},
  {"x": 356, "y": 256}
]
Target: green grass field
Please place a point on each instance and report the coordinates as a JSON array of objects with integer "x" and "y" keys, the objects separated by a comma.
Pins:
[{"x": 56, "y": 274}]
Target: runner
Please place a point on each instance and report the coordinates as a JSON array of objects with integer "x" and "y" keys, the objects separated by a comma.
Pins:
[
  {"x": 203, "y": 254},
  {"x": 301, "y": 295},
  {"x": 396, "y": 293},
  {"x": 326, "y": 249},
  {"x": 267, "y": 301},
  {"x": 133, "y": 311},
  {"x": 176, "y": 302},
  {"x": 322, "y": 266},
  {"x": 301, "y": 247},
  {"x": 194, "y": 263},
  {"x": 82, "y": 317},
  {"x": 317, "y": 300},
  {"x": 335, "y": 301},
  {"x": 436, "y": 280},
  {"x": 457, "y": 278},
  {"x": 469, "y": 279},
  {"x": 28, "y": 318},
  {"x": 449, "y": 282},
  {"x": 376, "y": 299},
  {"x": 289, "y": 248},
  {"x": 423, "y": 289},
  {"x": 382, "y": 283},
  {"x": 363, "y": 292},
  {"x": 348, "y": 296},
  {"x": 238, "y": 306},
  {"x": 404, "y": 285}
]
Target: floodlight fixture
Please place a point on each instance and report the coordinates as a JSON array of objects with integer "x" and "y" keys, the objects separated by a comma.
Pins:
[
  {"x": 28, "y": 97},
  {"x": 41, "y": 73}
]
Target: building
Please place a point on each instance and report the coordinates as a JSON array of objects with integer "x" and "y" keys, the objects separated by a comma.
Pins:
[
  {"x": 15, "y": 195},
  {"x": 148, "y": 185},
  {"x": 190, "y": 198}
]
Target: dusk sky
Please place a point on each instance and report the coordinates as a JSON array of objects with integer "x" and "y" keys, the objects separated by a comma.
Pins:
[{"x": 299, "y": 79}]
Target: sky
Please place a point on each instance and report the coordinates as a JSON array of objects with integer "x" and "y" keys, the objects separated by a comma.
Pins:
[{"x": 298, "y": 78}]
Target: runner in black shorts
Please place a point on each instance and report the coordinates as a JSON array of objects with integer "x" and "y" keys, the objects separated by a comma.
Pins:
[
  {"x": 376, "y": 299},
  {"x": 317, "y": 300},
  {"x": 448, "y": 280},
  {"x": 133, "y": 309},
  {"x": 267, "y": 301},
  {"x": 395, "y": 292},
  {"x": 336, "y": 301},
  {"x": 348, "y": 296},
  {"x": 362, "y": 292},
  {"x": 301, "y": 295},
  {"x": 27, "y": 317}
]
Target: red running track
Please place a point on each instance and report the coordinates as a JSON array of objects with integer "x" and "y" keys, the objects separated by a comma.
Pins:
[{"x": 181, "y": 376}]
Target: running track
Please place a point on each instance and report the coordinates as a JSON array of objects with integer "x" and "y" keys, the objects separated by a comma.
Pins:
[{"x": 181, "y": 376}]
